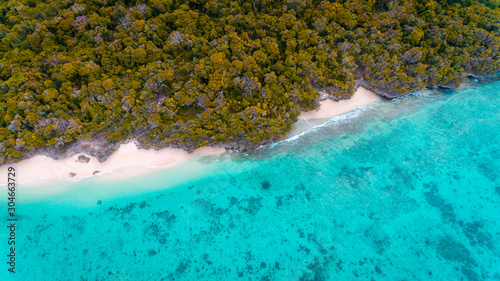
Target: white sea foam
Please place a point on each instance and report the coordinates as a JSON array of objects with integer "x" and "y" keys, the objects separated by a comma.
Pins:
[{"x": 336, "y": 119}]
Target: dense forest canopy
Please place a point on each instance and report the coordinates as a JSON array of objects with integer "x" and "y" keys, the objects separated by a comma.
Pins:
[{"x": 196, "y": 73}]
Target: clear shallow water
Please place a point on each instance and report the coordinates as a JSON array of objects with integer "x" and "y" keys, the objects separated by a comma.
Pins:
[{"x": 407, "y": 190}]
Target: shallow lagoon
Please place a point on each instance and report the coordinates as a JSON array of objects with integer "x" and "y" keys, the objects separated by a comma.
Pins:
[{"x": 402, "y": 190}]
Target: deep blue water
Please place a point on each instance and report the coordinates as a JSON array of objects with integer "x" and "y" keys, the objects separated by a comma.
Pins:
[{"x": 403, "y": 190}]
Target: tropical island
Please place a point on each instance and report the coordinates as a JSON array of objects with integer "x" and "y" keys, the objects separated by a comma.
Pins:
[{"x": 237, "y": 74}]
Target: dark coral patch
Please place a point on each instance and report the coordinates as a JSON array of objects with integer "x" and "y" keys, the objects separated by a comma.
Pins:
[{"x": 265, "y": 185}]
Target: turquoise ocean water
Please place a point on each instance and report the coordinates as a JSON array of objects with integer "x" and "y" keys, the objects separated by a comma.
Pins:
[{"x": 402, "y": 190}]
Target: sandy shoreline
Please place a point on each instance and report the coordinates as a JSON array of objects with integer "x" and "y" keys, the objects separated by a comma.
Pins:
[
  {"x": 329, "y": 108},
  {"x": 129, "y": 161}
]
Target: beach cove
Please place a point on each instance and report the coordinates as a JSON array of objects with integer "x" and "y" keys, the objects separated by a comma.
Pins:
[{"x": 130, "y": 161}]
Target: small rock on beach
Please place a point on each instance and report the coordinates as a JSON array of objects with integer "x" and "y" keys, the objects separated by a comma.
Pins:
[{"x": 83, "y": 159}]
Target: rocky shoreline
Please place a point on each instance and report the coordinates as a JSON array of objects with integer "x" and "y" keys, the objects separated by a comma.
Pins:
[
  {"x": 101, "y": 149},
  {"x": 388, "y": 93}
]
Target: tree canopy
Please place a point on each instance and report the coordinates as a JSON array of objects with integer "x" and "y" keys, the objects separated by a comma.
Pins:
[{"x": 196, "y": 73}]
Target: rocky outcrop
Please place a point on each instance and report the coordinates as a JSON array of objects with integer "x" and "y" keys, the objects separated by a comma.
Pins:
[{"x": 83, "y": 159}]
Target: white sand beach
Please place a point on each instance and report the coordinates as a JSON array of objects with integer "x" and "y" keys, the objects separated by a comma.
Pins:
[
  {"x": 126, "y": 161},
  {"x": 129, "y": 161},
  {"x": 329, "y": 108}
]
